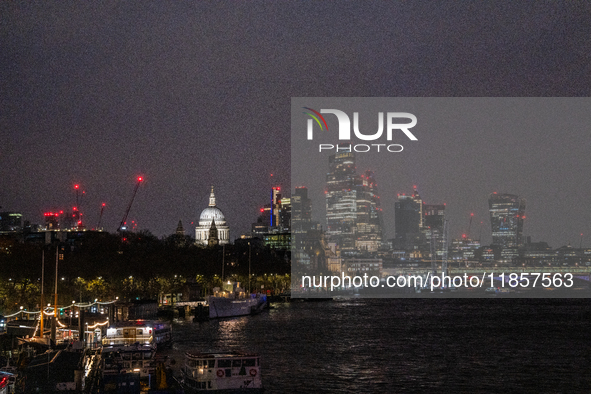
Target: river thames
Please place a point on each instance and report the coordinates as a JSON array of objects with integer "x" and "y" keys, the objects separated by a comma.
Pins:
[{"x": 408, "y": 345}]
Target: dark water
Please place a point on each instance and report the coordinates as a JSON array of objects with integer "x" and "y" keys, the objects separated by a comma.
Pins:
[{"x": 409, "y": 345}]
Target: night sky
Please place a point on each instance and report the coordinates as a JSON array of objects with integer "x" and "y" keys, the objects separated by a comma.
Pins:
[{"x": 190, "y": 94}]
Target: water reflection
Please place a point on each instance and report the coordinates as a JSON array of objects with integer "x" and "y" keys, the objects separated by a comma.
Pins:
[{"x": 354, "y": 346}]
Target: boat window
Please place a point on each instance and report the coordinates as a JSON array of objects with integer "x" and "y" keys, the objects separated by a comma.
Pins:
[
  {"x": 119, "y": 332},
  {"x": 137, "y": 356},
  {"x": 126, "y": 356},
  {"x": 211, "y": 363},
  {"x": 192, "y": 363},
  {"x": 249, "y": 362},
  {"x": 224, "y": 363},
  {"x": 237, "y": 363},
  {"x": 139, "y": 331}
]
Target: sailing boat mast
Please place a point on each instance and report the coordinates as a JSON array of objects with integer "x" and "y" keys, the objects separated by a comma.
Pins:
[
  {"x": 55, "y": 305},
  {"x": 42, "y": 295}
]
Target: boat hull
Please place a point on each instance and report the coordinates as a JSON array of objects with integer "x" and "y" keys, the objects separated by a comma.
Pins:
[{"x": 227, "y": 307}]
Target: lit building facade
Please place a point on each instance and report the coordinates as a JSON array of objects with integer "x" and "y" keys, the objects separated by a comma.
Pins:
[
  {"x": 11, "y": 221},
  {"x": 408, "y": 222},
  {"x": 507, "y": 212},
  {"x": 369, "y": 214},
  {"x": 341, "y": 201},
  {"x": 434, "y": 227},
  {"x": 301, "y": 210},
  {"x": 210, "y": 215},
  {"x": 353, "y": 212}
]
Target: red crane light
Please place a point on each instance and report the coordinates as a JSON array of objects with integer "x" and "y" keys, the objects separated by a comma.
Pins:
[
  {"x": 139, "y": 178},
  {"x": 76, "y": 186}
]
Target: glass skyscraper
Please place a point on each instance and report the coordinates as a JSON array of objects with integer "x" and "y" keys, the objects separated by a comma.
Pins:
[
  {"x": 507, "y": 212},
  {"x": 353, "y": 213}
]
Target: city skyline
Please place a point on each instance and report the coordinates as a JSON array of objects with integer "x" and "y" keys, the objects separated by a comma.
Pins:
[
  {"x": 190, "y": 95},
  {"x": 467, "y": 148}
]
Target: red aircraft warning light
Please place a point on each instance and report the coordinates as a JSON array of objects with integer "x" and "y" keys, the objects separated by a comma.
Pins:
[{"x": 139, "y": 178}]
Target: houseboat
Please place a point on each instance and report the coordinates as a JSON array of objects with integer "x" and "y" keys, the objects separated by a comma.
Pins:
[
  {"x": 136, "y": 358},
  {"x": 222, "y": 373},
  {"x": 145, "y": 332}
]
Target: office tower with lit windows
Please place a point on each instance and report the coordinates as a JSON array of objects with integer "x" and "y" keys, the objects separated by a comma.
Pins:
[
  {"x": 369, "y": 214},
  {"x": 353, "y": 213},
  {"x": 507, "y": 212},
  {"x": 11, "y": 221},
  {"x": 434, "y": 227},
  {"x": 408, "y": 221},
  {"x": 301, "y": 210},
  {"x": 341, "y": 200}
]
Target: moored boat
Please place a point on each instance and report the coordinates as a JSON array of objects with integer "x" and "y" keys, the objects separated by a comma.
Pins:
[
  {"x": 234, "y": 301},
  {"x": 145, "y": 332},
  {"x": 222, "y": 373},
  {"x": 229, "y": 307},
  {"x": 136, "y": 358}
]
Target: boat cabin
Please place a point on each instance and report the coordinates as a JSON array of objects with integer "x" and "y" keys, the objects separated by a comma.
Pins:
[{"x": 222, "y": 371}]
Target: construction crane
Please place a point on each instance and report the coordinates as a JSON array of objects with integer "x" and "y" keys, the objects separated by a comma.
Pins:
[
  {"x": 124, "y": 220},
  {"x": 98, "y": 226}
]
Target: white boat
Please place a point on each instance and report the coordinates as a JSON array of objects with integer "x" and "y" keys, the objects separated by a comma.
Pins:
[
  {"x": 145, "y": 332},
  {"x": 222, "y": 373}
]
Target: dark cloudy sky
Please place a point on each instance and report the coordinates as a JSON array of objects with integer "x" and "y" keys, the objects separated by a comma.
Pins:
[{"x": 191, "y": 94}]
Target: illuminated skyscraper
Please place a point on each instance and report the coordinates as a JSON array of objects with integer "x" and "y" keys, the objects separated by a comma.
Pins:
[
  {"x": 353, "y": 213},
  {"x": 408, "y": 221},
  {"x": 11, "y": 221},
  {"x": 341, "y": 200},
  {"x": 369, "y": 214},
  {"x": 301, "y": 210},
  {"x": 507, "y": 212},
  {"x": 434, "y": 227}
]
